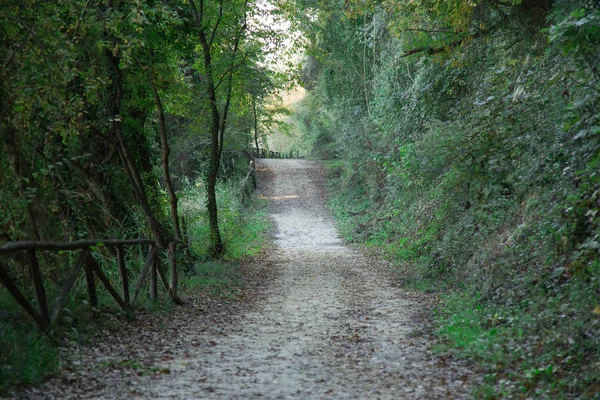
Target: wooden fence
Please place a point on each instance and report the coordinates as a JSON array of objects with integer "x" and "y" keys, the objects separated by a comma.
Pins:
[
  {"x": 263, "y": 153},
  {"x": 44, "y": 316}
]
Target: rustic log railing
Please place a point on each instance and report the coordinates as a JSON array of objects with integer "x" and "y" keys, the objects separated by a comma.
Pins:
[{"x": 45, "y": 316}]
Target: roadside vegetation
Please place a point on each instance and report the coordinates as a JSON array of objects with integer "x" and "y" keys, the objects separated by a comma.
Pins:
[
  {"x": 463, "y": 142},
  {"x": 118, "y": 118}
]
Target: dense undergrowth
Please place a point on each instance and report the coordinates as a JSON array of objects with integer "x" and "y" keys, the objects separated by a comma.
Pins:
[
  {"x": 244, "y": 226},
  {"x": 474, "y": 166}
]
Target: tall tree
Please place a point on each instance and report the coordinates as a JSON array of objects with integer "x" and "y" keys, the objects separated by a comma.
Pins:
[{"x": 220, "y": 33}]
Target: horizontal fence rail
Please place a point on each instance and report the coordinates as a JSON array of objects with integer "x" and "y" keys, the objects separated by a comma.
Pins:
[
  {"x": 44, "y": 315},
  {"x": 11, "y": 247}
]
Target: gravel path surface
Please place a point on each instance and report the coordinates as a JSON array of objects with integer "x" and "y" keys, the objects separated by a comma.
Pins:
[{"x": 329, "y": 325}]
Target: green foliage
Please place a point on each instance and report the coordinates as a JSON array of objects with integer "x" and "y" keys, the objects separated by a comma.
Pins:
[
  {"x": 474, "y": 169},
  {"x": 244, "y": 228}
]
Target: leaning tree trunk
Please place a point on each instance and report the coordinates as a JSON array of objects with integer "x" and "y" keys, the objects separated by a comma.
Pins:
[{"x": 162, "y": 130}]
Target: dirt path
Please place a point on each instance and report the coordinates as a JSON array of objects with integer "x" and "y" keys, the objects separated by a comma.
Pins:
[{"x": 330, "y": 325}]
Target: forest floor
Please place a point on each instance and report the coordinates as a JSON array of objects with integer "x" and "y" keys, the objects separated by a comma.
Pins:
[{"x": 318, "y": 320}]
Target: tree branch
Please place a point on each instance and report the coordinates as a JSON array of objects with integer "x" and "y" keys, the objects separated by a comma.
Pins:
[
  {"x": 231, "y": 69},
  {"x": 214, "y": 31},
  {"x": 165, "y": 150},
  {"x": 230, "y": 76}
]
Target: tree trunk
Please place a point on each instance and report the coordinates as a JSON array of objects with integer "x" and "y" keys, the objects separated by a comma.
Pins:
[
  {"x": 211, "y": 179},
  {"x": 161, "y": 235},
  {"x": 216, "y": 246},
  {"x": 162, "y": 130},
  {"x": 218, "y": 119}
]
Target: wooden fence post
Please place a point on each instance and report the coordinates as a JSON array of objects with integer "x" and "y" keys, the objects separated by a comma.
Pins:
[
  {"x": 40, "y": 292},
  {"x": 123, "y": 273},
  {"x": 147, "y": 264},
  {"x": 163, "y": 279},
  {"x": 106, "y": 282},
  {"x": 153, "y": 278},
  {"x": 91, "y": 284},
  {"x": 44, "y": 317}
]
